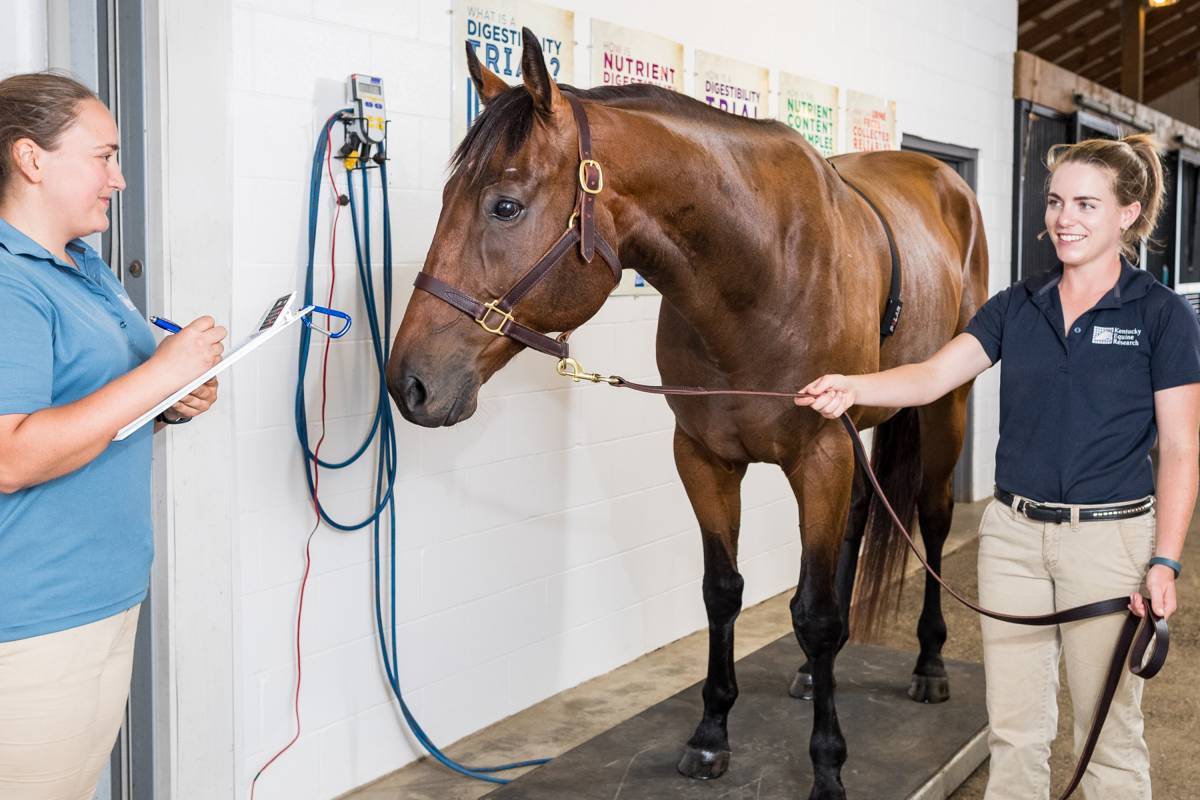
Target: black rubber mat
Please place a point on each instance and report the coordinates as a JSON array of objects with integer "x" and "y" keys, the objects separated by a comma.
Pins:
[{"x": 895, "y": 745}]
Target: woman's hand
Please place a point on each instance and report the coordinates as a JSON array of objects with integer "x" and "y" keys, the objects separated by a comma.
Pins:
[
  {"x": 195, "y": 403},
  {"x": 187, "y": 354},
  {"x": 1160, "y": 585},
  {"x": 829, "y": 395}
]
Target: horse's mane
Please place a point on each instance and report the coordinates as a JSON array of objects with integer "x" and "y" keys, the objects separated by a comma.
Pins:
[{"x": 507, "y": 120}]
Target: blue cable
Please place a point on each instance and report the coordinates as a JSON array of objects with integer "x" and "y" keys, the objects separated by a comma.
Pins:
[{"x": 383, "y": 424}]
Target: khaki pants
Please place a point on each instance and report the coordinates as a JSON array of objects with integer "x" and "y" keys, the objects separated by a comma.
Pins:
[
  {"x": 62, "y": 700},
  {"x": 1028, "y": 567}
]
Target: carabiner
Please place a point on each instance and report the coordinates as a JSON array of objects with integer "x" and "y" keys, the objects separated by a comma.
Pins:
[{"x": 329, "y": 312}]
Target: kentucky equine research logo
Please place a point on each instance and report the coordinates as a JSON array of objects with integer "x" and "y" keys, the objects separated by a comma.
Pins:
[{"x": 1126, "y": 337}]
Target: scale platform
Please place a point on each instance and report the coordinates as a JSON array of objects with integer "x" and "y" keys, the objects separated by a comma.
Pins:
[{"x": 898, "y": 749}]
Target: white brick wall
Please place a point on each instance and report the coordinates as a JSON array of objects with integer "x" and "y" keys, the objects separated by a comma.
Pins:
[
  {"x": 23, "y": 44},
  {"x": 508, "y": 595}
]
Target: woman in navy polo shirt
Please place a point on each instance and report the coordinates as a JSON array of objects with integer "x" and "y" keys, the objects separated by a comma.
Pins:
[
  {"x": 77, "y": 362},
  {"x": 1100, "y": 361}
]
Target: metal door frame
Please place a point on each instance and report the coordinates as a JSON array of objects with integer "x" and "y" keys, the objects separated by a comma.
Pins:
[
  {"x": 121, "y": 85},
  {"x": 1182, "y": 155},
  {"x": 102, "y": 44}
]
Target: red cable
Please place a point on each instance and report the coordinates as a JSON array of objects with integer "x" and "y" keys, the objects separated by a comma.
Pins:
[{"x": 315, "y": 467}]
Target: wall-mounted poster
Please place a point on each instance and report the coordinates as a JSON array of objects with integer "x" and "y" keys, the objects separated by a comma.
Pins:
[
  {"x": 871, "y": 122},
  {"x": 733, "y": 86},
  {"x": 811, "y": 108},
  {"x": 493, "y": 27},
  {"x": 623, "y": 55}
]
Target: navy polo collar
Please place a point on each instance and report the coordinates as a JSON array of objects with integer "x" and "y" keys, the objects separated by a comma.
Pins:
[
  {"x": 1132, "y": 284},
  {"x": 19, "y": 244}
]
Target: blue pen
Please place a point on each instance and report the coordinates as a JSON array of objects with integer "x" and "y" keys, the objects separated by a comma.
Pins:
[{"x": 165, "y": 324}]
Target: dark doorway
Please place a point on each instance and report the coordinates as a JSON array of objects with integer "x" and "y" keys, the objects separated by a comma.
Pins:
[{"x": 964, "y": 161}]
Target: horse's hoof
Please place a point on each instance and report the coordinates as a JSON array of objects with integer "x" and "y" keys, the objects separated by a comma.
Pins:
[
  {"x": 703, "y": 765},
  {"x": 925, "y": 689},
  {"x": 827, "y": 790},
  {"x": 802, "y": 686}
]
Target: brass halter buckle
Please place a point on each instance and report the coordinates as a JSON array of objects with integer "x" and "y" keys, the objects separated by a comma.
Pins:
[
  {"x": 583, "y": 184},
  {"x": 493, "y": 308},
  {"x": 570, "y": 368}
]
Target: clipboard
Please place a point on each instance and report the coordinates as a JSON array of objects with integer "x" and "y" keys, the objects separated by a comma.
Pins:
[{"x": 278, "y": 318}]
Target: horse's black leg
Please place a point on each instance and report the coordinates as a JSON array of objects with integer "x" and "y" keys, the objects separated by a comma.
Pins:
[
  {"x": 943, "y": 426},
  {"x": 847, "y": 569},
  {"x": 714, "y": 488},
  {"x": 823, "y": 486},
  {"x": 930, "y": 684}
]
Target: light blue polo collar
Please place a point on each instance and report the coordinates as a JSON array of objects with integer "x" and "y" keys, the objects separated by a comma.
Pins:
[{"x": 19, "y": 244}]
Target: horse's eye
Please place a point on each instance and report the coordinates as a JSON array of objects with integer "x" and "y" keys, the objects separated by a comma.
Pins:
[{"x": 507, "y": 209}]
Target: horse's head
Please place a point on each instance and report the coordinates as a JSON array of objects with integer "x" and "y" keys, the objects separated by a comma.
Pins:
[{"x": 516, "y": 179}]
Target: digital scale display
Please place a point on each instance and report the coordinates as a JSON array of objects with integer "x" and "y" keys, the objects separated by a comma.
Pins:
[{"x": 366, "y": 92}]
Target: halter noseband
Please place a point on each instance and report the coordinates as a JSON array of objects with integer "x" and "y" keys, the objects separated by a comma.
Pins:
[{"x": 496, "y": 316}]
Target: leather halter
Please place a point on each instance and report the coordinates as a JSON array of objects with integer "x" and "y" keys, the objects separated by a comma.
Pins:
[{"x": 496, "y": 316}]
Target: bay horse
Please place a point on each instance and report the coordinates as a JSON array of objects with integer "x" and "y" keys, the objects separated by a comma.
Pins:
[{"x": 773, "y": 270}]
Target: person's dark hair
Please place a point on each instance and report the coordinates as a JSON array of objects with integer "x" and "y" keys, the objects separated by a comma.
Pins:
[
  {"x": 1136, "y": 172},
  {"x": 38, "y": 106}
]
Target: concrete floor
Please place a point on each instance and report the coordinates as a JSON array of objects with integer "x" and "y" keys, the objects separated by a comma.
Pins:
[
  {"x": 570, "y": 718},
  {"x": 939, "y": 747},
  {"x": 1171, "y": 703}
]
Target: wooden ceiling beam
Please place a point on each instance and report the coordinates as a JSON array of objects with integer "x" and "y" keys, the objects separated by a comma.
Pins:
[
  {"x": 1101, "y": 49},
  {"x": 1102, "y": 26},
  {"x": 1057, "y": 24},
  {"x": 1163, "y": 55},
  {"x": 1133, "y": 48},
  {"x": 1173, "y": 74},
  {"x": 1158, "y": 30},
  {"x": 1031, "y": 9}
]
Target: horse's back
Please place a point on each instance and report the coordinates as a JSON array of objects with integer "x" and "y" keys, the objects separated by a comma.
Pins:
[{"x": 939, "y": 232}]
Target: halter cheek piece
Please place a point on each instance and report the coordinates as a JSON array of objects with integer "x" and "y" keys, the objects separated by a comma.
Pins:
[{"x": 496, "y": 316}]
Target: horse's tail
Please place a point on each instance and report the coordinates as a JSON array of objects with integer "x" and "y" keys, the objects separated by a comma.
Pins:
[{"x": 896, "y": 459}]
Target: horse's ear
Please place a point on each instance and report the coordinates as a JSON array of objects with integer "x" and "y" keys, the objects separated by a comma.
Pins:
[
  {"x": 545, "y": 92},
  {"x": 487, "y": 83}
]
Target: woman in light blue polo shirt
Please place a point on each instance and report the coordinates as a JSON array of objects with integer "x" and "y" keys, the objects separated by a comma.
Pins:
[{"x": 77, "y": 362}]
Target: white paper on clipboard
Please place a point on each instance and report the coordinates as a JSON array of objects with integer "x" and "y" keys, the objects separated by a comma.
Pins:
[{"x": 277, "y": 319}]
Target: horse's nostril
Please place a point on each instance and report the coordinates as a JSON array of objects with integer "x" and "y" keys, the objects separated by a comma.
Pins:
[{"x": 414, "y": 392}]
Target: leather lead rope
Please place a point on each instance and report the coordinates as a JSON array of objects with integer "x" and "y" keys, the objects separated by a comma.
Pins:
[{"x": 1137, "y": 634}]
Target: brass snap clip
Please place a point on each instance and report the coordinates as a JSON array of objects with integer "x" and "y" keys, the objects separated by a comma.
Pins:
[{"x": 570, "y": 368}]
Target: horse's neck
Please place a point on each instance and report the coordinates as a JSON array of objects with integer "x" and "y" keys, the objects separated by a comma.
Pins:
[{"x": 700, "y": 214}]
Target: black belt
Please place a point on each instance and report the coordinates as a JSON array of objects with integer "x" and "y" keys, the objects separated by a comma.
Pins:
[{"x": 1040, "y": 512}]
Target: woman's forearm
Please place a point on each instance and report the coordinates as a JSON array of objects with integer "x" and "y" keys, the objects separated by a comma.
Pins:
[
  {"x": 53, "y": 442},
  {"x": 1178, "y": 473},
  {"x": 900, "y": 387},
  {"x": 959, "y": 360}
]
